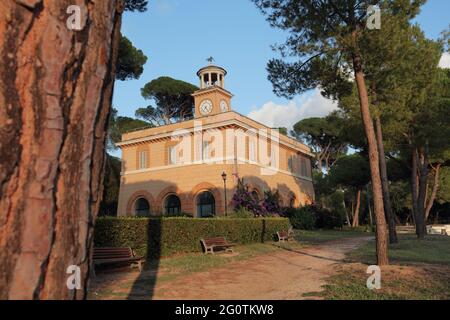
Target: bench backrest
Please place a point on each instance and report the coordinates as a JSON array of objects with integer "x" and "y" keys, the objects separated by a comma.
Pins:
[
  {"x": 282, "y": 234},
  {"x": 218, "y": 241},
  {"x": 112, "y": 253}
]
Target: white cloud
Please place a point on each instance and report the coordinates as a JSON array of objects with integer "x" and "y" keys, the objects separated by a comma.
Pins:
[
  {"x": 445, "y": 61},
  {"x": 276, "y": 115}
]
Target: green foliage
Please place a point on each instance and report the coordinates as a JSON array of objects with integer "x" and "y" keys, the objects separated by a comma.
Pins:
[
  {"x": 327, "y": 219},
  {"x": 323, "y": 135},
  {"x": 443, "y": 194},
  {"x": 352, "y": 170},
  {"x": 313, "y": 216},
  {"x": 271, "y": 203},
  {"x": 119, "y": 125},
  {"x": 130, "y": 62},
  {"x": 321, "y": 36},
  {"x": 400, "y": 196},
  {"x": 136, "y": 5},
  {"x": 172, "y": 97},
  {"x": 242, "y": 213},
  {"x": 397, "y": 170},
  {"x": 322, "y": 184},
  {"x": 302, "y": 218},
  {"x": 243, "y": 199},
  {"x": 154, "y": 237},
  {"x": 283, "y": 130},
  {"x": 111, "y": 184}
]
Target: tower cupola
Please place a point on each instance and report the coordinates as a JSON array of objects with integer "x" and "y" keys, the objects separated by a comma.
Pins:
[{"x": 211, "y": 98}]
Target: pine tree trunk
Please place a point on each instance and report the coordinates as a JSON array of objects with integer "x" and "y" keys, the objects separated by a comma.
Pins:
[
  {"x": 418, "y": 218},
  {"x": 55, "y": 95},
  {"x": 433, "y": 192},
  {"x": 319, "y": 163},
  {"x": 358, "y": 205},
  {"x": 423, "y": 178},
  {"x": 380, "y": 221},
  {"x": 385, "y": 184},
  {"x": 368, "y": 205},
  {"x": 346, "y": 211}
]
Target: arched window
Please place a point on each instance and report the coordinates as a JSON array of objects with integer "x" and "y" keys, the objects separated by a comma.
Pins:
[
  {"x": 292, "y": 202},
  {"x": 206, "y": 205},
  {"x": 172, "y": 205},
  {"x": 142, "y": 208}
]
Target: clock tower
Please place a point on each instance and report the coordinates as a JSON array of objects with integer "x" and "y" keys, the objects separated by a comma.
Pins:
[{"x": 211, "y": 98}]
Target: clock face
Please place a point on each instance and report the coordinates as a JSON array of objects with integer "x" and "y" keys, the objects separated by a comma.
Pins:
[
  {"x": 223, "y": 106},
  {"x": 206, "y": 107}
]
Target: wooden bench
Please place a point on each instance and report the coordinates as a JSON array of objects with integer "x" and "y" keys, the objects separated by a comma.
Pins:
[
  {"x": 282, "y": 236},
  {"x": 116, "y": 257},
  {"x": 285, "y": 235},
  {"x": 220, "y": 243}
]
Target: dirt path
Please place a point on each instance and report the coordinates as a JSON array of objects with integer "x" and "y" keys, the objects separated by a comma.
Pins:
[
  {"x": 286, "y": 274},
  {"x": 282, "y": 275}
]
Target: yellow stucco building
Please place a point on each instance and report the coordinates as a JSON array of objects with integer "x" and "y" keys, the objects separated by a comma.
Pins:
[{"x": 180, "y": 167}]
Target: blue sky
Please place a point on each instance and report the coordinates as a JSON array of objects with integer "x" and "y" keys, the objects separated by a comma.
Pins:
[{"x": 178, "y": 36}]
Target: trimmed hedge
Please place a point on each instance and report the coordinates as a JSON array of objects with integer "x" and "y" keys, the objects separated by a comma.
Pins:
[{"x": 156, "y": 237}]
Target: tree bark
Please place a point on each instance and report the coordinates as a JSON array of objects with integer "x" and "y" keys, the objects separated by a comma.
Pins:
[
  {"x": 423, "y": 178},
  {"x": 385, "y": 183},
  {"x": 368, "y": 205},
  {"x": 319, "y": 162},
  {"x": 414, "y": 183},
  {"x": 381, "y": 232},
  {"x": 434, "y": 191},
  {"x": 358, "y": 205},
  {"x": 56, "y": 89},
  {"x": 345, "y": 209}
]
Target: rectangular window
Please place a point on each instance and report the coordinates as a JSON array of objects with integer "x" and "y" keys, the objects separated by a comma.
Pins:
[
  {"x": 206, "y": 151},
  {"x": 251, "y": 151},
  {"x": 303, "y": 170},
  {"x": 290, "y": 164},
  {"x": 172, "y": 155},
  {"x": 142, "y": 159}
]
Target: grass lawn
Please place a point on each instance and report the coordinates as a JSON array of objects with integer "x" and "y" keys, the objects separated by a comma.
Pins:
[
  {"x": 195, "y": 262},
  {"x": 198, "y": 262},
  {"x": 117, "y": 284},
  {"x": 434, "y": 249},
  {"x": 420, "y": 269},
  {"x": 311, "y": 237}
]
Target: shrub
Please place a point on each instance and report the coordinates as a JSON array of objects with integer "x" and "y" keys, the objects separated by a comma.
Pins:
[
  {"x": 271, "y": 204},
  {"x": 242, "y": 213},
  {"x": 156, "y": 237},
  {"x": 326, "y": 219},
  {"x": 179, "y": 214},
  {"x": 243, "y": 199},
  {"x": 302, "y": 218}
]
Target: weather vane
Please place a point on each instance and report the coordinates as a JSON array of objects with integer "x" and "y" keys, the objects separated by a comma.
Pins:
[{"x": 210, "y": 60}]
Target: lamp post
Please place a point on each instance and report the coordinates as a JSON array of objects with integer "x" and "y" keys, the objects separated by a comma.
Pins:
[{"x": 224, "y": 177}]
